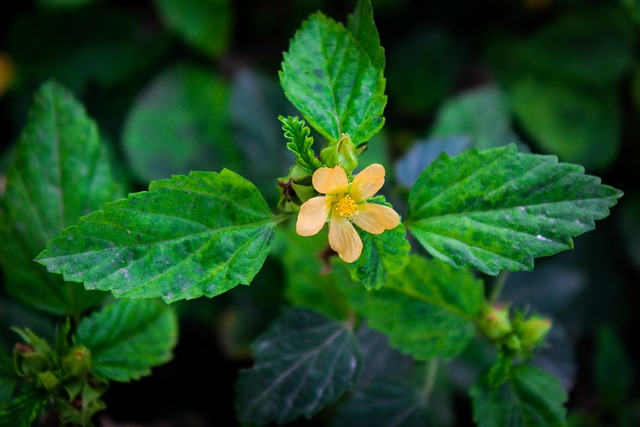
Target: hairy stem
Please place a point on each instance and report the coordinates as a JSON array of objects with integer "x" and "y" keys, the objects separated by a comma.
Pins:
[
  {"x": 498, "y": 285},
  {"x": 430, "y": 379}
]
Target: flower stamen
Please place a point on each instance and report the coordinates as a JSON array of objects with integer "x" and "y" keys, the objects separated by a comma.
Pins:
[{"x": 346, "y": 207}]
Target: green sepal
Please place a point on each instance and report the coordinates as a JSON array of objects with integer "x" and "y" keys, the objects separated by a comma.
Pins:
[
  {"x": 295, "y": 189},
  {"x": 341, "y": 152}
]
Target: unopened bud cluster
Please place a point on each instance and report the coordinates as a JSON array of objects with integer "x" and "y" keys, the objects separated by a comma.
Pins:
[
  {"x": 519, "y": 335},
  {"x": 64, "y": 372}
]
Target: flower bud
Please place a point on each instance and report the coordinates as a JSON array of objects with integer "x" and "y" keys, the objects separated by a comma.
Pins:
[
  {"x": 77, "y": 362},
  {"x": 513, "y": 343},
  {"x": 495, "y": 323},
  {"x": 27, "y": 360},
  {"x": 533, "y": 331},
  {"x": 342, "y": 152},
  {"x": 48, "y": 380}
]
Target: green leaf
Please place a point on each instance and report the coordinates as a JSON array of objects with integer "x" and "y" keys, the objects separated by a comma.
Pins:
[
  {"x": 386, "y": 402},
  {"x": 382, "y": 254},
  {"x": 562, "y": 82},
  {"x": 633, "y": 7},
  {"x": 255, "y": 100},
  {"x": 23, "y": 408},
  {"x": 300, "y": 143},
  {"x": 548, "y": 110},
  {"x": 128, "y": 337},
  {"x": 499, "y": 209},
  {"x": 529, "y": 398},
  {"x": 379, "y": 359},
  {"x": 628, "y": 227},
  {"x": 330, "y": 78},
  {"x": 363, "y": 28},
  {"x": 613, "y": 370},
  {"x": 204, "y": 24},
  {"x": 8, "y": 376},
  {"x": 482, "y": 114},
  {"x": 304, "y": 362},
  {"x": 178, "y": 124},
  {"x": 60, "y": 172},
  {"x": 188, "y": 236},
  {"x": 427, "y": 311},
  {"x": 588, "y": 45},
  {"x": 424, "y": 152}
]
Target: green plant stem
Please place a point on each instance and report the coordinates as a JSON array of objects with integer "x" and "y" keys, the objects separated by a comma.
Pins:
[
  {"x": 430, "y": 379},
  {"x": 282, "y": 217},
  {"x": 498, "y": 285}
]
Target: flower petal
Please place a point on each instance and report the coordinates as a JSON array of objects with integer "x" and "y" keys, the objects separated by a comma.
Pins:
[
  {"x": 330, "y": 180},
  {"x": 375, "y": 219},
  {"x": 367, "y": 183},
  {"x": 313, "y": 214},
  {"x": 344, "y": 239}
]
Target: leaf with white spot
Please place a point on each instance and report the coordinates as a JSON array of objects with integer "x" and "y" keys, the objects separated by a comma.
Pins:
[
  {"x": 498, "y": 209},
  {"x": 187, "y": 237}
]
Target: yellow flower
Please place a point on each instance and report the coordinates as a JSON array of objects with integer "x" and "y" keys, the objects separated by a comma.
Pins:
[{"x": 343, "y": 205}]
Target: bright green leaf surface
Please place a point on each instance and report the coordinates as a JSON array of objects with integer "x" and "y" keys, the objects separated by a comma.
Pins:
[
  {"x": 529, "y": 398},
  {"x": 499, "y": 209},
  {"x": 427, "y": 311},
  {"x": 363, "y": 28},
  {"x": 304, "y": 362},
  {"x": 382, "y": 255},
  {"x": 189, "y": 236},
  {"x": 180, "y": 123},
  {"x": 204, "y": 24},
  {"x": 128, "y": 337},
  {"x": 330, "y": 78},
  {"x": 384, "y": 403},
  {"x": 60, "y": 172}
]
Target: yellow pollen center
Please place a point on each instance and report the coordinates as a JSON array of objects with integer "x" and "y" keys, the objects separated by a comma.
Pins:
[{"x": 346, "y": 206}]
